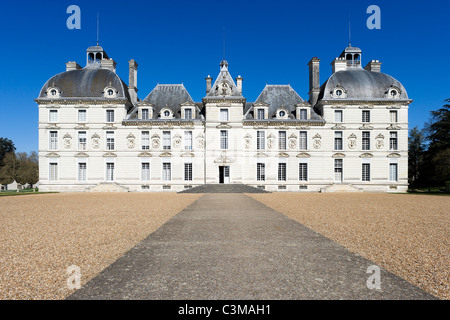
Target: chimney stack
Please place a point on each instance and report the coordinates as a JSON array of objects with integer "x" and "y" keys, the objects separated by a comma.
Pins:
[
  {"x": 314, "y": 80},
  {"x": 208, "y": 83},
  {"x": 109, "y": 64},
  {"x": 239, "y": 83},
  {"x": 339, "y": 64},
  {"x": 72, "y": 65},
  {"x": 132, "y": 81},
  {"x": 374, "y": 66}
]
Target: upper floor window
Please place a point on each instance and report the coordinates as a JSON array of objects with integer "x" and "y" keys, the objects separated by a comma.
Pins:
[
  {"x": 303, "y": 145},
  {"x": 260, "y": 140},
  {"x": 188, "y": 140},
  {"x": 109, "y": 140},
  {"x": 53, "y": 143},
  {"x": 188, "y": 114},
  {"x": 303, "y": 114},
  {"x": 53, "y": 116},
  {"x": 109, "y": 115},
  {"x": 144, "y": 114},
  {"x": 366, "y": 116},
  {"x": 145, "y": 140},
  {"x": 366, "y": 140},
  {"x": 338, "y": 140},
  {"x": 223, "y": 114},
  {"x": 393, "y": 142},
  {"x": 260, "y": 114},
  {"x": 82, "y": 140},
  {"x": 282, "y": 140},
  {"x": 393, "y": 116},
  {"x": 166, "y": 140},
  {"x": 338, "y": 117},
  {"x": 223, "y": 139},
  {"x": 82, "y": 116}
]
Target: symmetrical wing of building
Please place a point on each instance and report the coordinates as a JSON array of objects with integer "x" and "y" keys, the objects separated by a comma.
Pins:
[{"x": 96, "y": 134}]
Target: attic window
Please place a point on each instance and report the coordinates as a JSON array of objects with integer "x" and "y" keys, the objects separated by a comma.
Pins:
[
  {"x": 110, "y": 92},
  {"x": 166, "y": 113},
  {"x": 339, "y": 92},
  {"x": 53, "y": 92},
  {"x": 282, "y": 113}
]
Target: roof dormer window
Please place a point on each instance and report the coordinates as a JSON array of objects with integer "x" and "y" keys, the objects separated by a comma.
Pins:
[
  {"x": 282, "y": 113},
  {"x": 53, "y": 92},
  {"x": 110, "y": 92}
]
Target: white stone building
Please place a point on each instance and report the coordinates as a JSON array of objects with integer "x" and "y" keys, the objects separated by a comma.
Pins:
[{"x": 351, "y": 135}]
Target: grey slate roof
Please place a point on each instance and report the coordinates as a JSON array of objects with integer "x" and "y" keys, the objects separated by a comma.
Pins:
[
  {"x": 170, "y": 96},
  {"x": 277, "y": 96},
  {"x": 86, "y": 83},
  {"x": 361, "y": 84}
]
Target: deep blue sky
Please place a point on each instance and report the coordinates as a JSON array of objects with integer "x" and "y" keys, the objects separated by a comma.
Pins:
[{"x": 182, "y": 41}]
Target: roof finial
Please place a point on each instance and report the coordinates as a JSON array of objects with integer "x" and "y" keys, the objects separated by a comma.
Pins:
[
  {"x": 97, "y": 27},
  {"x": 349, "y": 31},
  {"x": 223, "y": 43}
]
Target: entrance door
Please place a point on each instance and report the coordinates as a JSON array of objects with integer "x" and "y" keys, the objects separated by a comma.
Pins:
[{"x": 224, "y": 174}]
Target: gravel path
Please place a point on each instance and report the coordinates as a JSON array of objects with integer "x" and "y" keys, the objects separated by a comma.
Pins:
[
  {"x": 408, "y": 235},
  {"x": 42, "y": 235}
]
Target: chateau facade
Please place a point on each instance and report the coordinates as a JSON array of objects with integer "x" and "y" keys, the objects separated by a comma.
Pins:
[{"x": 95, "y": 134}]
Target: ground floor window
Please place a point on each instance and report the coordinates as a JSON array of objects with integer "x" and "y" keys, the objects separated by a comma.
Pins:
[
  {"x": 338, "y": 170},
  {"x": 145, "y": 171},
  {"x": 260, "y": 172},
  {"x": 282, "y": 172},
  {"x": 53, "y": 174},
  {"x": 82, "y": 171},
  {"x": 166, "y": 173},
  {"x": 188, "y": 172},
  {"x": 109, "y": 171},
  {"x": 303, "y": 172},
  {"x": 393, "y": 172},
  {"x": 365, "y": 172}
]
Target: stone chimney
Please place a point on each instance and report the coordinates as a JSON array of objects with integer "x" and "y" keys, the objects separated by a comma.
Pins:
[
  {"x": 239, "y": 83},
  {"x": 339, "y": 64},
  {"x": 72, "y": 65},
  {"x": 314, "y": 80},
  {"x": 374, "y": 66},
  {"x": 132, "y": 80},
  {"x": 208, "y": 83},
  {"x": 109, "y": 64}
]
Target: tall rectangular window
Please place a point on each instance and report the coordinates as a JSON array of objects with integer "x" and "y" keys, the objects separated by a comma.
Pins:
[
  {"x": 109, "y": 115},
  {"x": 260, "y": 140},
  {"x": 188, "y": 114},
  {"x": 145, "y": 140},
  {"x": 338, "y": 170},
  {"x": 109, "y": 140},
  {"x": 223, "y": 139},
  {"x": 393, "y": 142},
  {"x": 110, "y": 171},
  {"x": 188, "y": 140},
  {"x": 53, "y": 143},
  {"x": 366, "y": 140},
  {"x": 303, "y": 114},
  {"x": 338, "y": 140},
  {"x": 223, "y": 114},
  {"x": 53, "y": 172},
  {"x": 338, "y": 116},
  {"x": 82, "y": 171},
  {"x": 393, "y": 116},
  {"x": 282, "y": 172},
  {"x": 145, "y": 171},
  {"x": 260, "y": 114},
  {"x": 261, "y": 172},
  {"x": 282, "y": 140},
  {"x": 144, "y": 114},
  {"x": 303, "y": 142},
  {"x": 366, "y": 172},
  {"x": 393, "y": 172},
  {"x": 167, "y": 174},
  {"x": 303, "y": 171},
  {"x": 82, "y": 116},
  {"x": 82, "y": 140},
  {"x": 53, "y": 116},
  {"x": 166, "y": 140},
  {"x": 366, "y": 116},
  {"x": 188, "y": 172}
]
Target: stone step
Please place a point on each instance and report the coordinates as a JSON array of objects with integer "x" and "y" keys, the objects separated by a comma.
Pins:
[{"x": 224, "y": 188}]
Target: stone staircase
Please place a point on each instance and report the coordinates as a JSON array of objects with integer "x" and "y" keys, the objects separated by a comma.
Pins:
[
  {"x": 341, "y": 188},
  {"x": 224, "y": 188}
]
